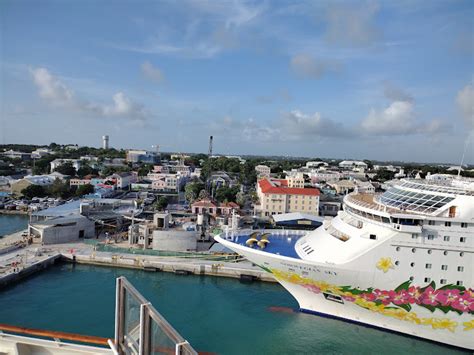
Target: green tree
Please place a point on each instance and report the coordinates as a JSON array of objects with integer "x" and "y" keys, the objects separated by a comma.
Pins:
[
  {"x": 227, "y": 194},
  {"x": 84, "y": 190},
  {"x": 145, "y": 169},
  {"x": 85, "y": 170},
  {"x": 59, "y": 189},
  {"x": 162, "y": 203},
  {"x": 66, "y": 169},
  {"x": 240, "y": 198},
  {"x": 33, "y": 191},
  {"x": 192, "y": 190},
  {"x": 203, "y": 194}
]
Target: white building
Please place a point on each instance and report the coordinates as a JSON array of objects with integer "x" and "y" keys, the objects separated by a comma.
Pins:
[
  {"x": 166, "y": 182},
  {"x": 76, "y": 163},
  {"x": 262, "y": 170},
  {"x": 352, "y": 164}
]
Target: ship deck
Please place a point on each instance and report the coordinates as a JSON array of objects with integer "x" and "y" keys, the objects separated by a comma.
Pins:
[{"x": 279, "y": 242}]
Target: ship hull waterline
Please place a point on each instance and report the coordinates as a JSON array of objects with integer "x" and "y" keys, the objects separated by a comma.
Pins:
[{"x": 324, "y": 300}]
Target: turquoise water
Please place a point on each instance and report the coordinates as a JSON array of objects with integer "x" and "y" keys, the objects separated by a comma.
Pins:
[
  {"x": 12, "y": 223},
  {"x": 214, "y": 314}
]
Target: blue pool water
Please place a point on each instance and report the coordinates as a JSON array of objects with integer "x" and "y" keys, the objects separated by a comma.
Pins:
[{"x": 215, "y": 314}]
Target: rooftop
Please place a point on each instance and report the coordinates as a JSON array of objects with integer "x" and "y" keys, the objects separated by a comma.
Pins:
[{"x": 280, "y": 187}]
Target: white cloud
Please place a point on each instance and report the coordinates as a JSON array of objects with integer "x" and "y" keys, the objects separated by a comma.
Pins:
[
  {"x": 50, "y": 88},
  {"x": 308, "y": 67},
  {"x": 395, "y": 119},
  {"x": 151, "y": 72},
  {"x": 399, "y": 119},
  {"x": 298, "y": 124},
  {"x": 465, "y": 102},
  {"x": 352, "y": 25},
  {"x": 53, "y": 91}
]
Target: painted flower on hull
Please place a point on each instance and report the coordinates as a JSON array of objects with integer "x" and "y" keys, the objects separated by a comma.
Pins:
[
  {"x": 385, "y": 264},
  {"x": 398, "y": 303}
]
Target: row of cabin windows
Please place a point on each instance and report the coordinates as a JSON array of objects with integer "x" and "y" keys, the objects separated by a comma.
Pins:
[
  {"x": 429, "y": 251},
  {"x": 443, "y": 281},
  {"x": 428, "y": 266},
  {"x": 446, "y": 238},
  {"x": 447, "y": 224}
]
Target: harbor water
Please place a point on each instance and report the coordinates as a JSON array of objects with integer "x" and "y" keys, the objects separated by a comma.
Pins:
[
  {"x": 12, "y": 223},
  {"x": 217, "y": 315}
]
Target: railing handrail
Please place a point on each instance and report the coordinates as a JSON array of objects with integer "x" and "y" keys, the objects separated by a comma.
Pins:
[{"x": 90, "y": 339}]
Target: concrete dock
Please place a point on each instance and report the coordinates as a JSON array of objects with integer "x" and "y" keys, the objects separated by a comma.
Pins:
[
  {"x": 242, "y": 270},
  {"x": 17, "y": 262}
]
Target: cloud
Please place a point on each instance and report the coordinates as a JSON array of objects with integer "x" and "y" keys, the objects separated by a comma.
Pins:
[
  {"x": 151, "y": 72},
  {"x": 54, "y": 92},
  {"x": 306, "y": 66},
  {"x": 399, "y": 119},
  {"x": 204, "y": 28},
  {"x": 297, "y": 124},
  {"x": 465, "y": 102},
  {"x": 394, "y": 93},
  {"x": 50, "y": 88},
  {"x": 352, "y": 25}
]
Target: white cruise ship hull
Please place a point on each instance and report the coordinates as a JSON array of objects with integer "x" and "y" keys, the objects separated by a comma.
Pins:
[{"x": 322, "y": 289}]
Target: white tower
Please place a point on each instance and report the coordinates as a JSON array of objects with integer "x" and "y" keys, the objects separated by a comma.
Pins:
[{"x": 105, "y": 142}]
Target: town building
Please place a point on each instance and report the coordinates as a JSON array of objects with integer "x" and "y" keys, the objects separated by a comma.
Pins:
[
  {"x": 19, "y": 185},
  {"x": 122, "y": 180},
  {"x": 142, "y": 156},
  {"x": 16, "y": 155},
  {"x": 79, "y": 182},
  {"x": 353, "y": 164},
  {"x": 210, "y": 207},
  {"x": 262, "y": 170},
  {"x": 276, "y": 196},
  {"x": 166, "y": 182},
  {"x": 76, "y": 163},
  {"x": 40, "y": 152}
]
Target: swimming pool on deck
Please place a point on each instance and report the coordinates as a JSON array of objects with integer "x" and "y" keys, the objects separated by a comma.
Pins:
[{"x": 274, "y": 242}]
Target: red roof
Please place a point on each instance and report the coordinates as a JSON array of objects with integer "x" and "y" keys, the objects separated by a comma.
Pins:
[
  {"x": 203, "y": 203},
  {"x": 268, "y": 188},
  {"x": 229, "y": 205}
]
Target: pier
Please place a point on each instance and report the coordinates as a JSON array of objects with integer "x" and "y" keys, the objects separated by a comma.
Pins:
[{"x": 18, "y": 261}]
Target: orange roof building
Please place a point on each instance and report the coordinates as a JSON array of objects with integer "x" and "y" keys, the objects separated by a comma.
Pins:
[{"x": 277, "y": 196}]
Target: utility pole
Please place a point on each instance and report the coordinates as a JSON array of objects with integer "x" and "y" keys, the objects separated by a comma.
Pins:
[{"x": 209, "y": 161}]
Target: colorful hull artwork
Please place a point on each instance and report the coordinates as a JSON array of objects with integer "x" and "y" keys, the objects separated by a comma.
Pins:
[{"x": 398, "y": 303}]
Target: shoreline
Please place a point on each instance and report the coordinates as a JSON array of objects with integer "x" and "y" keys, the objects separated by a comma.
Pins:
[{"x": 14, "y": 212}]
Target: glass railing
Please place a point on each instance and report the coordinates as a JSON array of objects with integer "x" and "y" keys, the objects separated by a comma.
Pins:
[{"x": 140, "y": 329}]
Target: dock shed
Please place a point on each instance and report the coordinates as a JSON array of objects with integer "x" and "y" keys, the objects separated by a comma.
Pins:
[{"x": 62, "y": 229}]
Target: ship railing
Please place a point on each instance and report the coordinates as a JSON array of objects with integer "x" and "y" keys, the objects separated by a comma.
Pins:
[{"x": 140, "y": 329}]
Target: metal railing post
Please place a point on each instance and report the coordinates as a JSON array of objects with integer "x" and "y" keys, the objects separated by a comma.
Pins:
[
  {"x": 145, "y": 330},
  {"x": 119, "y": 313}
]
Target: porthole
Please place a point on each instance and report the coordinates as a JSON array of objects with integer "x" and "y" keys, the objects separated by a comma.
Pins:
[
  {"x": 430, "y": 251},
  {"x": 461, "y": 254},
  {"x": 413, "y": 250},
  {"x": 411, "y": 278},
  {"x": 397, "y": 249},
  {"x": 397, "y": 262},
  {"x": 412, "y": 264},
  {"x": 445, "y": 252}
]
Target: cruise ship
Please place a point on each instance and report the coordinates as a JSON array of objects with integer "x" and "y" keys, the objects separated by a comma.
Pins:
[{"x": 401, "y": 261}]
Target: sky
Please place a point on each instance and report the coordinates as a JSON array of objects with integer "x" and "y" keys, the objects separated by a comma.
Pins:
[{"x": 384, "y": 80}]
